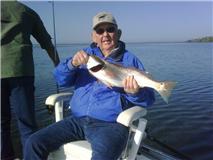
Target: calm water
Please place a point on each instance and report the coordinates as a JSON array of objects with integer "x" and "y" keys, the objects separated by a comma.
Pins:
[{"x": 186, "y": 123}]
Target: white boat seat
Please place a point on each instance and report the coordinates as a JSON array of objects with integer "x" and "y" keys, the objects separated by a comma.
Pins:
[
  {"x": 72, "y": 151},
  {"x": 81, "y": 150}
]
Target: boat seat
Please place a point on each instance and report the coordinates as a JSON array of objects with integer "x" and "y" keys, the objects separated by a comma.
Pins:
[{"x": 81, "y": 150}]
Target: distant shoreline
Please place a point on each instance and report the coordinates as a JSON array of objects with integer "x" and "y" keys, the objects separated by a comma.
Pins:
[
  {"x": 197, "y": 40},
  {"x": 203, "y": 39}
]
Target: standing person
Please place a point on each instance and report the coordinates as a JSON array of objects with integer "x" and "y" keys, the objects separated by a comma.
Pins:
[
  {"x": 18, "y": 23},
  {"x": 95, "y": 106}
]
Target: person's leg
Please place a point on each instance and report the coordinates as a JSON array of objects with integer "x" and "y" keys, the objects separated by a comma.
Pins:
[
  {"x": 107, "y": 139},
  {"x": 22, "y": 101},
  {"x": 7, "y": 152},
  {"x": 48, "y": 139}
]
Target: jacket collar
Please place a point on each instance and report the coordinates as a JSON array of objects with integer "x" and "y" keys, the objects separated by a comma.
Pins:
[{"x": 116, "y": 54}]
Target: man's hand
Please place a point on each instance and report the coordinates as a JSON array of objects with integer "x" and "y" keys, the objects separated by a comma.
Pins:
[
  {"x": 80, "y": 58},
  {"x": 131, "y": 85}
]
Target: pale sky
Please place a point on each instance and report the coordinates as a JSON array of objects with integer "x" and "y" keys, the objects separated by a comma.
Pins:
[{"x": 140, "y": 21}]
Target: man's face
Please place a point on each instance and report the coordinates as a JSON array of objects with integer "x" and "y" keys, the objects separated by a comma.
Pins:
[{"x": 106, "y": 36}]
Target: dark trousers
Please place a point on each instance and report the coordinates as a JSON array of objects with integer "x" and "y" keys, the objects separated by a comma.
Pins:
[
  {"x": 17, "y": 95},
  {"x": 107, "y": 139}
]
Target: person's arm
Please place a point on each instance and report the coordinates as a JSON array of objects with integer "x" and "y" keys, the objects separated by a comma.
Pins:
[
  {"x": 53, "y": 54},
  {"x": 134, "y": 95},
  {"x": 65, "y": 73},
  {"x": 144, "y": 97},
  {"x": 40, "y": 33}
]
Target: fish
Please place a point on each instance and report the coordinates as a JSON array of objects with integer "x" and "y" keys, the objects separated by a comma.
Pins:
[{"x": 113, "y": 75}]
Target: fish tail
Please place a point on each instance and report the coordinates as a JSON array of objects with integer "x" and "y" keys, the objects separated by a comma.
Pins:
[{"x": 165, "y": 89}]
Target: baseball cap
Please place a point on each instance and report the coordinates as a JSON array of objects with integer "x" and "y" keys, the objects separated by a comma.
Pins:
[{"x": 103, "y": 17}]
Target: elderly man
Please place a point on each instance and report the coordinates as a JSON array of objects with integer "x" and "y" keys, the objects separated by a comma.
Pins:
[{"x": 95, "y": 106}]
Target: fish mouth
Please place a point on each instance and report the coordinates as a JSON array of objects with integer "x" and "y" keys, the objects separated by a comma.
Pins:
[
  {"x": 95, "y": 64},
  {"x": 97, "y": 68}
]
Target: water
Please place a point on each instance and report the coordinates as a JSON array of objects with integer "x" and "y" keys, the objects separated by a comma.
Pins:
[{"x": 186, "y": 123}]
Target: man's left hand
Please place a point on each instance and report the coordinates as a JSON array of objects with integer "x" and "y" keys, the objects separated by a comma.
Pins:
[{"x": 131, "y": 85}]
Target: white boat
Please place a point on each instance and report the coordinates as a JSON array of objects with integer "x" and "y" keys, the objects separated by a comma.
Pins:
[{"x": 135, "y": 148}]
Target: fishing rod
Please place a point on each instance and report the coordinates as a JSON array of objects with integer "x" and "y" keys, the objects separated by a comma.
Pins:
[
  {"x": 50, "y": 109},
  {"x": 54, "y": 32}
]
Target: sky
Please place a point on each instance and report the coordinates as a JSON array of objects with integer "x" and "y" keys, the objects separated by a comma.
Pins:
[{"x": 140, "y": 21}]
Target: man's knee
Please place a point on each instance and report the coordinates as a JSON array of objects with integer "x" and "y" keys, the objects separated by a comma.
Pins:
[
  {"x": 35, "y": 147},
  {"x": 32, "y": 142}
]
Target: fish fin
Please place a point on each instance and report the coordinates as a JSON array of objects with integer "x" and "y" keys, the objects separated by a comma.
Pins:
[
  {"x": 148, "y": 75},
  {"x": 165, "y": 89}
]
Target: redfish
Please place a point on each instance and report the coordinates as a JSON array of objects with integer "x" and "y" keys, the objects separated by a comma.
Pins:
[{"x": 113, "y": 75}]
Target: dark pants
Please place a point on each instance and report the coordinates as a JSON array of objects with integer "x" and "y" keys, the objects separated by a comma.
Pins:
[
  {"x": 107, "y": 139},
  {"x": 17, "y": 95}
]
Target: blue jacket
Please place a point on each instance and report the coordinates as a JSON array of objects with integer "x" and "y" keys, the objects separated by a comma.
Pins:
[{"x": 93, "y": 98}]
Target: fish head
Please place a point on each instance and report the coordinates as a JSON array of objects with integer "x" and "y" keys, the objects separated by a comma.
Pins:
[{"x": 95, "y": 64}]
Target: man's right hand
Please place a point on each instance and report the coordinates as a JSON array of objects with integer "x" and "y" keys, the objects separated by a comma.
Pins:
[{"x": 80, "y": 58}]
